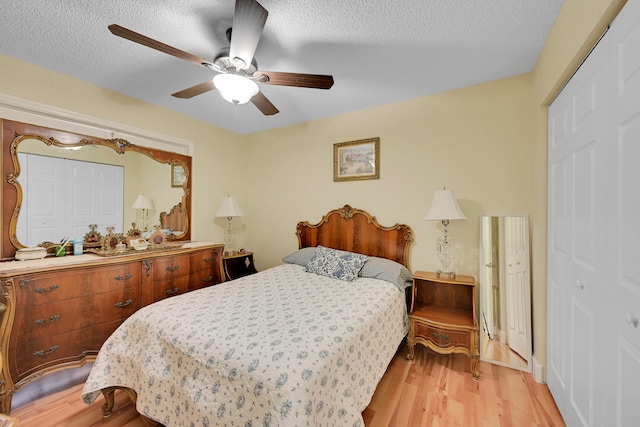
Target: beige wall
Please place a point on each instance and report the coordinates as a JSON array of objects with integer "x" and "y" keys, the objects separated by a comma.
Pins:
[
  {"x": 487, "y": 143},
  {"x": 475, "y": 141}
]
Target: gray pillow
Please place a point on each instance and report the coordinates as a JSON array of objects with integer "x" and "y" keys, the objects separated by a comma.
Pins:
[
  {"x": 300, "y": 257},
  {"x": 337, "y": 264},
  {"x": 388, "y": 270}
]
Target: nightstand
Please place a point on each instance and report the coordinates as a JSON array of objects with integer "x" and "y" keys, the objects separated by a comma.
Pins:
[
  {"x": 443, "y": 316},
  {"x": 238, "y": 265}
]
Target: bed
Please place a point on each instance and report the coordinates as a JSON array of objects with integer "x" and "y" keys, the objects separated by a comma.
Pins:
[{"x": 304, "y": 343}]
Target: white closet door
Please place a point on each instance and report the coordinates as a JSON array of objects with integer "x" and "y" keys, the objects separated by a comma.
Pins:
[
  {"x": 65, "y": 196},
  {"x": 94, "y": 196},
  {"x": 576, "y": 243},
  {"x": 44, "y": 213},
  {"x": 623, "y": 221}
]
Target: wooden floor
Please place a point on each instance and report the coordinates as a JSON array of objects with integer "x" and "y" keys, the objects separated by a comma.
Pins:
[{"x": 433, "y": 390}]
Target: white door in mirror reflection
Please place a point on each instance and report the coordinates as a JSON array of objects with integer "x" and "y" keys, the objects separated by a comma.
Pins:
[
  {"x": 64, "y": 196},
  {"x": 516, "y": 271},
  {"x": 505, "y": 301}
]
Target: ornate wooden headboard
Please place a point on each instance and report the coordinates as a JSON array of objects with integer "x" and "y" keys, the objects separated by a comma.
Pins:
[
  {"x": 355, "y": 230},
  {"x": 174, "y": 220}
]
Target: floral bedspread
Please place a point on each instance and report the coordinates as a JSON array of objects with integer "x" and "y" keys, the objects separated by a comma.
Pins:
[{"x": 279, "y": 348}]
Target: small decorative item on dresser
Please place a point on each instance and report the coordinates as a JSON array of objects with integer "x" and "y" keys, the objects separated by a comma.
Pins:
[
  {"x": 31, "y": 253},
  {"x": 443, "y": 316},
  {"x": 238, "y": 265}
]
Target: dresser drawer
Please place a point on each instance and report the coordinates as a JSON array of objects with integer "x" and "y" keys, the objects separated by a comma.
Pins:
[
  {"x": 31, "y": 356},
  {"x": 170, "y": 287},
  {"x": 443, "y": 338},
  {"x": 203, "y": 278},
  {"x": 44, "y": 320},
  {"x": 49, "y": 287},
  {"x": 171, "y": 267},
  {"x": 205, "y": 260}
]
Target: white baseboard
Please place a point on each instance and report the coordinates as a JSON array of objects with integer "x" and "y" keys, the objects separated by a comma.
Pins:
[{"x": 538, "y": 370}]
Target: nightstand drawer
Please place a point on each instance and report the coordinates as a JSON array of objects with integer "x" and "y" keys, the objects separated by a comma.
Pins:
[{"x": 442, "y": 338}]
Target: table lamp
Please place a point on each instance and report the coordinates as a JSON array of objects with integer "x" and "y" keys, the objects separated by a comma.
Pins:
[
  {"x": 142, "y": 205},
  {"x": 228, "y": 209},
  {"x": 445, "y": 208}
]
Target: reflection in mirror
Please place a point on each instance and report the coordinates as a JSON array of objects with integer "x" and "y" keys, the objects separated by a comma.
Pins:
[
  {"x": 505, "y": 291},
  {"x": 58, "y": 183}
]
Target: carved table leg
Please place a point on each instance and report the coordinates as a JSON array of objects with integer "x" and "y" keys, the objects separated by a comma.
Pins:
[{"x": 475, "y": 358}]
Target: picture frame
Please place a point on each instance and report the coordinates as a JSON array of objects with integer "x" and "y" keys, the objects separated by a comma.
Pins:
[
  {"x": 177, "y": 175},
  {"x": 356, "y": 160}
]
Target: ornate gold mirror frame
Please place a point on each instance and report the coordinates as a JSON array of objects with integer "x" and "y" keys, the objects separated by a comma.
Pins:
[{"x": 13, "y": 133}]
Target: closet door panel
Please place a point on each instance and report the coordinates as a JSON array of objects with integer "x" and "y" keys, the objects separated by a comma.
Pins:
[
  {"x": 558, "y": 250},
  {"x": 623, "y": 220},
  {"x": 576, "y": 265},
  {"x": 557, "y": 356}
]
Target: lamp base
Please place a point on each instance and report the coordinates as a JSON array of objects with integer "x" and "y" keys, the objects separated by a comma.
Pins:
[{"x": 446, "y": 274}]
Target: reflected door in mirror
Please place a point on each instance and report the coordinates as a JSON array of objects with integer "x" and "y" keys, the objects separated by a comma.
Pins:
[
  {"x": 64, "y": 196},
  {"x": 505, "y": 301}
]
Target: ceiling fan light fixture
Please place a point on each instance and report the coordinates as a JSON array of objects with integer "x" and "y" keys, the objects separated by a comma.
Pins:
[{"x": 235, "y": 88}]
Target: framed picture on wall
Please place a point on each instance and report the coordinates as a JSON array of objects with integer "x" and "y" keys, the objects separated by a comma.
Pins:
[
  {"x": 354, "y": 160},
  {"x": 177, "y": 175}
]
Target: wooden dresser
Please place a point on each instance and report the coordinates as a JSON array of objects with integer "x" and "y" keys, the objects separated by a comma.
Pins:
[{"x": 58, "y": 312}]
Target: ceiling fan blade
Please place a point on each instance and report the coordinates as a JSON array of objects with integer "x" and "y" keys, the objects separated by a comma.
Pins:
[
  {"x": 264, "y": 105},
  {"x": 315, "y": 81},
  {"x": 248, "y": 21},
  {"x": 192, "y": 91},
  {"x": 159, "y": 46}
]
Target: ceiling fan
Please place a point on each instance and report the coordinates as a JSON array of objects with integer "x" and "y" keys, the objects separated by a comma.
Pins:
[{"x": 236, "y": 67}]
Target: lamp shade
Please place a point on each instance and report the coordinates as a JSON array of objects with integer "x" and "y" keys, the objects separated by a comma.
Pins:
[
  {"x": 235, "y": 88},
  {"x": 444, "y": 207},
  {"x": 142, "y": 202},
  {"x": 229, "y": 208}
]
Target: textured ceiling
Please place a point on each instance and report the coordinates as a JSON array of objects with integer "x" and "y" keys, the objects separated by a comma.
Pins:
[{"x": 378, "y": 52}]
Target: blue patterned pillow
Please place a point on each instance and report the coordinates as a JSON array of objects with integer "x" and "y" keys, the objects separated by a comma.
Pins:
[
  {"x": 337, "y": 264},
  {"x": 388, "y": 270}
]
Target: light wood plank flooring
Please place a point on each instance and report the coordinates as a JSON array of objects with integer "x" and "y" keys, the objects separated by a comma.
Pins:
[{"x": 433, "y": 390}]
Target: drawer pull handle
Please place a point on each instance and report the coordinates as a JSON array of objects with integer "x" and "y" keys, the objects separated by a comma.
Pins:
[
  {"x": 45, "y": 321},
  {"x": 46, "y": 291},
  {"x": 125, "y": 278},
  {"x": 124, "y": 304},
  {"x": 208, "y": 279},
  {"x": 173, "y": 268},
  {"x": 41, "y": 353},
  {"x": 208, "y": 259},
  {"x": 441, "y": 337},
  {"x": 172, "y": 291}
]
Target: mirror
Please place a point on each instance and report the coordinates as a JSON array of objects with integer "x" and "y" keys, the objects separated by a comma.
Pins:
[
  {"x": 505, "y": 292},
  {"x": 144, "y": 170}
]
